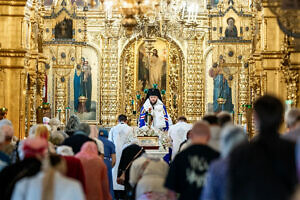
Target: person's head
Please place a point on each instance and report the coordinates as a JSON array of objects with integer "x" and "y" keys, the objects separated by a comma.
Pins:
[
  {"x": 292, "y": 118},
  {"x": 35, "y": 147},
  {"x": 231, "y": 136},
  {"x": 8, "y": 130},
  {"x": 42, "y": 131},
  {"x": 89, "y": 148},
  {"x": 200, "y": 133},
  {"x": 153, "y": 94},
  {"x": 57, "y": 138},
  {"x": 85, "y": 128},
  {"x": 153, "y": 99},
  {"x": 72, "y": 125},
  {"x": 46, "y": 120},
  {"x": 54, "y": 123},
  {"x": 268, "y": 114},
  {"x": 224, "y": 118},
  {"x": 182, "y": 119},
  {"x": 211, "y": 119},
  {"x": 230, "y": 21},
  {"x": 122, "y": 118},
  {"x": 155, "y": 52},
  {"x": 64, "y": 151},
  {"x": 103, "y": 132}
]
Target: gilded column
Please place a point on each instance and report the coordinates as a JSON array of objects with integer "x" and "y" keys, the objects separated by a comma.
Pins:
[
  {"x": 109, "y": 91},
  {"x": 194, "y": 89}
]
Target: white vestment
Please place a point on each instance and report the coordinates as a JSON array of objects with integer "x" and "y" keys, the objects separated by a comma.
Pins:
[
  {"x": 121, "y": 135},
  {"x": 158, "y": 114},
  {"x": 64, "y": 188},
  {"x": 178, "y": 133}
]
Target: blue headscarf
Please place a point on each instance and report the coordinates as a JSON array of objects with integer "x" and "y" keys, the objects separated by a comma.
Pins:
[{"x": 103, "y": 133}]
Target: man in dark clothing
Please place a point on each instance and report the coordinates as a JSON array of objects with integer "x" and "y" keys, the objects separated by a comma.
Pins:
[
  {"x": 265, "y": 168},
  {"x": 187, "y": 172},
  {"x": 79, "y": 138}
]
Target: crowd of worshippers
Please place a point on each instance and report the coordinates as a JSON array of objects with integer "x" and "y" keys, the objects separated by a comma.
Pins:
[{"x": 212, "y": 159}]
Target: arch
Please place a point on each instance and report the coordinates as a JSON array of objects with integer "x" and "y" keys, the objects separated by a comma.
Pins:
[
  {"x": 128, "y": 74},
  {"x": 136, "y": 38}
]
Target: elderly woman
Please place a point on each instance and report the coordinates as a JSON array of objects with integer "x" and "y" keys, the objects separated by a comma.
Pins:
[
  {"x": 148, "y": 176},
  {"x": 95, "y": 172},
  {"x": 72, "y": 125},
  {"x": 50, "y": 183},
  {"x": 216, "y": 183}
]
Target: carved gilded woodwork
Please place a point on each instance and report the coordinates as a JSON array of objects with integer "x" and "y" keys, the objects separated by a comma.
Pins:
[{"x": 26, "y": 50}]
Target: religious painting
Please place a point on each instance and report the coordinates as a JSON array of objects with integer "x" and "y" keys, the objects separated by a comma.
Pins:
[
  {"x": 84, "y": 100},
  {"x": 64, "y": 29},
  {"x": 221, "y": 86},
  {"x": 222, "y": 92},
  {"x": 231, "y": 30},
  {"x": 152, "y": 65}
]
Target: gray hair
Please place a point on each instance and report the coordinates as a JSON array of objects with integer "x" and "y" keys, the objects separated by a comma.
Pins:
[
  {"x": 56, "y": 138},
  {"x": 73, "y": 123},
  {"x": 32, "y": 130},
  {"x": 54, "y": 122},
  {"x": 84, "y": 127},
  {"x": 65, "y": 151},
  {"x": 5, "y": 122},
  {"x": 231, "y": 136},
  {"x": 292, "y": 117}
]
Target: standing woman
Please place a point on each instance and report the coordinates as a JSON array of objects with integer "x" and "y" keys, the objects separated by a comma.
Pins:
[
  {"x": 95, "y": 172},
  {"x": 109, "y": 156}
]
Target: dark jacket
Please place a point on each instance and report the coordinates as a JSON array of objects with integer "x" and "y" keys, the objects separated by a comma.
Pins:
[
  {"x": 10, "y": 175},
  {"x": 76, "y": 141},
  {"x": 263, "y": 169}
]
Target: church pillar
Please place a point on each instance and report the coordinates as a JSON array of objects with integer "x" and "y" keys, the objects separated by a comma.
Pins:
[
  {"x": 109, "y": 91},
  {"x": 194, "y": 94}
]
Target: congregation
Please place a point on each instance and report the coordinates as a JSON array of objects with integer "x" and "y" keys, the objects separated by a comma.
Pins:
[{"x": 212, "y": 159}]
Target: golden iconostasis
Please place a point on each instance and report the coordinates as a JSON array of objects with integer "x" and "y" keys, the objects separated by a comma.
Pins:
[{"x": 84, "y": 59}]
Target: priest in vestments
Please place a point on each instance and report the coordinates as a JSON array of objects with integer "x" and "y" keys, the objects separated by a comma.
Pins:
[{"x": 154, "y": 107}]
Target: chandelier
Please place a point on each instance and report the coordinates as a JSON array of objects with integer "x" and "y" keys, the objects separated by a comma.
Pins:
[{"x": 147, "y": 16}]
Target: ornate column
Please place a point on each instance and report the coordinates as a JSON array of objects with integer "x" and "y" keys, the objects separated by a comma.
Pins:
[
  {"x": 61, "y": 79},
  {"x": 109, "y": 90},
  {"x": 31, "y": 95},
  {"x": 194, "y": 89}
]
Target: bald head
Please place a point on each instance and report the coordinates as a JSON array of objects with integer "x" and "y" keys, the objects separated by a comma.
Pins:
[{"x": 200, "y": 132}]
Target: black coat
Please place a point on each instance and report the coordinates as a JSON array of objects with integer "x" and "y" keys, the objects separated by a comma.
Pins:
[
  {"x": 263, "y": 169},
  {"x": 76, "y": 141}
]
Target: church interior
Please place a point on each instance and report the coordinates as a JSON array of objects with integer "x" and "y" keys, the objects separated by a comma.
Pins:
[{"x": 98, "y": 58}]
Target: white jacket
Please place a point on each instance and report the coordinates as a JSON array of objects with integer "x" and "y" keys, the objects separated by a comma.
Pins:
[
  {"x": 178, "y": 133},
  {"x": 121, "y": 135},
  {"x": 64, "y": 188}
]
